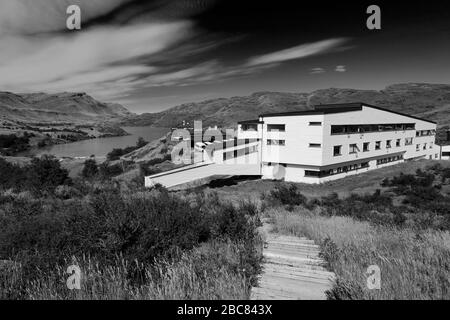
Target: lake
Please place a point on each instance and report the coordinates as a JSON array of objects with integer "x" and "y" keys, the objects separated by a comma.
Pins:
[{"x": 101, "y": 146}]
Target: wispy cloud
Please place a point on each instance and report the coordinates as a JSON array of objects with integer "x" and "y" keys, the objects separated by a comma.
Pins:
[
  {"x": 317, "y": 70},
  {"x": 340, "y": 69},
  {"x": 95, "y": 56},
  {"x": 113, "y": 60},
  {"x": 301, "y": 51}
]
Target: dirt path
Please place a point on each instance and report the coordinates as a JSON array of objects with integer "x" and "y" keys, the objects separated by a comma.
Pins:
[{"x": 292, "y": 270}]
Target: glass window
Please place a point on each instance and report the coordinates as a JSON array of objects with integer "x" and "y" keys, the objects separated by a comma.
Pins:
[
  {"x": 249, "y": 127},
  {"x": 315, "y": 145},
  {"x": 337, "y": 151},
  {"x": 408, "y": 141},
  {"x": 397, "y": 143},
  {"x": 366, "y": 146},
  {"x": 353, "y": 148},
  {"x": 315, "y": 123},
  {"x": 388, "y": 144},
  {"x": 271, "y": 142},
  {"x": 276, "y": 127},
  {"x": 378, "y": 145}
]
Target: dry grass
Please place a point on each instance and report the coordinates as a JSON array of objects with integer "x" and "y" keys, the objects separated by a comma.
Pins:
[
  {"x": 186, "y": 279},
  {"x": 363, "y": 183},
  {"x": 413, "y": 265}
]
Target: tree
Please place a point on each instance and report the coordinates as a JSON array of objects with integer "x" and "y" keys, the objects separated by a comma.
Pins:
[
  {"x": 141, "y": 142},
  {"x": 45, "y": 174},
  {"x": 90, "y": 168}
]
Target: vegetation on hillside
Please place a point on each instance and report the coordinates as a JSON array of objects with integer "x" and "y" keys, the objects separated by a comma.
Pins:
[
  {"x": 116, "y": 153},
  {"x": 130, "y": 242},
  {"x": 403, "y": 228},
  {"x": 11, "y": 144}
]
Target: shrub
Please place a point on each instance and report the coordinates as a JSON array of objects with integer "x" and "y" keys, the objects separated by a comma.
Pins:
[
  {"x": 90, "y": 168},
  {"x": 143, "y": 226},
  {"x": 45, "y": 174},
  {"x": 285, "y": 194}
]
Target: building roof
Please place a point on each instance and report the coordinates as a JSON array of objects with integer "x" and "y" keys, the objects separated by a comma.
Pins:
[
  {"x": 250, "y": 122},
  {"x": 338, "y": 108}
]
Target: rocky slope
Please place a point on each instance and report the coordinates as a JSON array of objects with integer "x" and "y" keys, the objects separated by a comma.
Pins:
[
  {"x": 431, "y": 101},
  {"x": 61, "y": 107}
]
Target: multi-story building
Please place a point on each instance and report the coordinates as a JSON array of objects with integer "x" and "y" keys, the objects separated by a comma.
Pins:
[{"x": 334, "y": 141}]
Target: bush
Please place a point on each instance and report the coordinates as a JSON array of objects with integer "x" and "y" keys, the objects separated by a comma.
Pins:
[
  {"x": 108, "y": 171},
  {"x": 135, "y": 225},
  {"x": 45, "y": 174},
  {"x": 285, "y": 194},
  {"x": 12, "y": 144},
  {"x": 90, "y": 168},
  {"x": 12, "y": 176}
]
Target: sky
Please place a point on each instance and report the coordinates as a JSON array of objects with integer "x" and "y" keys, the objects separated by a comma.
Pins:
[{"x": 152, "y": 55}]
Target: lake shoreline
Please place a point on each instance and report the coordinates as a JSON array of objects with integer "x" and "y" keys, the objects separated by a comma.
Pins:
[{"x": 98, "y": 147}]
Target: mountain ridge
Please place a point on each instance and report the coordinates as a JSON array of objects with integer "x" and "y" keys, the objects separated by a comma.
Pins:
[
  {"x": 65, "y": 106},
  {"x": 431, "y": 101}
]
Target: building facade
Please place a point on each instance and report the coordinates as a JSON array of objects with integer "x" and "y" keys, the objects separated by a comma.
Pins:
[{"x": 334, "y": 141}]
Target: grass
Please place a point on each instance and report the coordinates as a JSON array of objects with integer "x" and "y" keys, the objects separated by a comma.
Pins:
[
  {"x": 363, "y": 183},
  {"x": 414, "y": 265},
  {"x": 199, "y": 274}
]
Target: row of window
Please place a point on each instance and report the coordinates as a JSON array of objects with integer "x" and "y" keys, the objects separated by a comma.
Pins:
[
  {"x": 424, "y": 146},
  {"x": 273, "y": 142},
  {"x": 425, "y": 133},
  {"x": 354, "y": 148},
  {"x": 389, "y": 159},
  {"x": 366, "y": 128},
  {"x": 241, "y": 152},
  {"x": 282, "y": 127},
  {"x": 338, "y": 170}
]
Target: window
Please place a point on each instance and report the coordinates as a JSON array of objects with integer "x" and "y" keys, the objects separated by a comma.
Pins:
[
  {"x": 365, "y": 128},
  {"x": 365, "y": 146},
  {"x": 388, "y": 143},
  {"x": 315, "y": 145},
  {"x": 417, "y": 147},
  {"x": 337, "y": 151},
  {"x": 408, "y": 141},
  {"x": 353, "y": 148},
  {"x": 377, "y": 145},
  {"x": 446, "y": 154},
  {"x": 249, "y": 127},
  {"x": 310, "y": 173},
  {"x": 389, "y": 159},
  {"x": 424, "y": 146},
  {"x": 397, "y": 143},
  {"x": 431, "y": 145},
  {"x": 315, "y": 123},
  {"x": 276, "y": 128},
  {"x": 436, "y": 155},
  {"x": 271, "y": 142}
]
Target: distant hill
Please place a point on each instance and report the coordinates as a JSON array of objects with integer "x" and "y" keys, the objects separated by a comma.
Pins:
[
  {"x": 431, "y": 101},
  {"x": 60, "y": 107}
]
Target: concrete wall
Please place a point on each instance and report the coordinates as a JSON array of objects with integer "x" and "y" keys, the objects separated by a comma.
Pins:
[{"x": 297, "y": 136}]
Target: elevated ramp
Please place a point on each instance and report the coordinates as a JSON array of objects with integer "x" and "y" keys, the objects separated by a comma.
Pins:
[{"x": 201, "y": 171}]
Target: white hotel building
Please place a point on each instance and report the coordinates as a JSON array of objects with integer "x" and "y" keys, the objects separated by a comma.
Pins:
[
  {"x": 314, "y": 146},
  {"x": 334, "y": 141}
]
